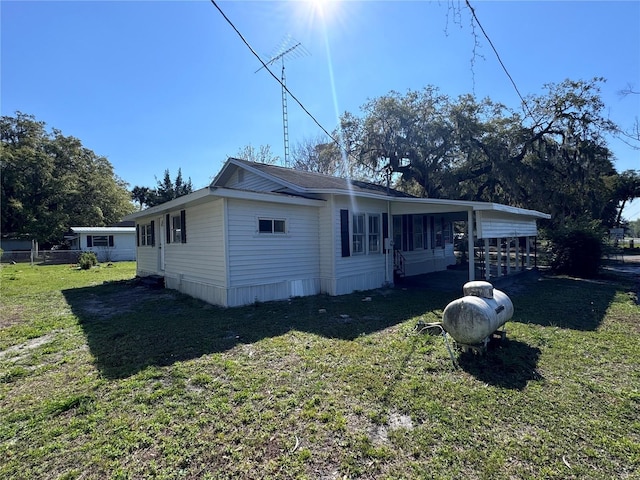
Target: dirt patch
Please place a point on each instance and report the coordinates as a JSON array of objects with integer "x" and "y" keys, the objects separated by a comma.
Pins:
[
  {"x": 22, "y": 349},
  {"x": 11, "y": 315},
  {"x": 107, "y": 306}
]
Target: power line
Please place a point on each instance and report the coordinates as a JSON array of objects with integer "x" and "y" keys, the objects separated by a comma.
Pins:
[
  {"x": 266, "y": 67},
  {"x": 524, "y": 102}
]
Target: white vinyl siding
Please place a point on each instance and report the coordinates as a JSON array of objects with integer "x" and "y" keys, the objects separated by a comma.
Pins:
[
  {"x": 250, "y": 181},
  {"x": 110, "y": 245},
  {"x": 503, "y": 225},
  {"x": 202, "y": 258},
  {"x": 268, "y": 263}
]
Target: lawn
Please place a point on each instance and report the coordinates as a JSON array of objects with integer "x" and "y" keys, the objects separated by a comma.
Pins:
[{"x": 101, "y": 377}]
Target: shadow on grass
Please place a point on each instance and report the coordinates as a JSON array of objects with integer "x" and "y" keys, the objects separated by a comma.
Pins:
[
  {"x": 130, "y": 327},
  {"x": 508, "y": 364},
  {"x": 563, "y": 302}
]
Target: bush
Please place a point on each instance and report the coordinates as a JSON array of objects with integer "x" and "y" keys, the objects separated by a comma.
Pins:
[
  {"x": 87, "y": 260},
  {"x": 577, "y": 249}
]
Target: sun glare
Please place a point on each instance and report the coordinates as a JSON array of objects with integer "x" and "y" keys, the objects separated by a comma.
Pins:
[{"x": 323, "y": 8}]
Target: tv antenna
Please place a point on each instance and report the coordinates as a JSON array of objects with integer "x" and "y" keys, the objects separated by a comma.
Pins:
[{"x": 291, "y": 49}]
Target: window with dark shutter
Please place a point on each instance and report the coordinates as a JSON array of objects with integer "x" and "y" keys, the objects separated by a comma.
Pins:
[
  {"x": 344, "y": 233},
  {"x": 153, "y": 233},
  {"x": 137, "y": 235},
  {"x": 89, "y": 241},
  {"x": 167, "y": 227},
  {"x": 111, "y": 240}
]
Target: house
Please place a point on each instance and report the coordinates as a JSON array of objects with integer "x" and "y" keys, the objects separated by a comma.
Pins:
[
  {"x": 110, "y": 244},
  {"x": 262, "y": 232}
]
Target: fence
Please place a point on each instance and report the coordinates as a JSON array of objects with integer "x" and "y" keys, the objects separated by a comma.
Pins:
[{"x": 41, "y": 257}]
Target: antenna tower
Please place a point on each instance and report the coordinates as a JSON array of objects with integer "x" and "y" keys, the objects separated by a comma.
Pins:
[{"x": 286, "y": 50}]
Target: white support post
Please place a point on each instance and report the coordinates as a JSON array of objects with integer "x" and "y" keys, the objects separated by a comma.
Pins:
[
  {"x": 487, "y": 260},
  {"x": 470, "y": 235},
  {"x": 499, "y": 257},
  {"x": 508, "y": 252},
  {"x": 528, "y": 247},
  {"x": 518, "y": 266}
]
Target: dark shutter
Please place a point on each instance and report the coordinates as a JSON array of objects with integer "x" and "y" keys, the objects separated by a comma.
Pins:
[
  {"x": 167, "y": 227},
  {"x": 137, "y": 235},
  {"x": 183, "y": 226},
  {"x": 385, "y": 231},
  {"x": 153, "y": 233},
  {"x": 89, "y": 241},
  {"x": 344, "y": 233},
  {"x": 111, "y": 240}
]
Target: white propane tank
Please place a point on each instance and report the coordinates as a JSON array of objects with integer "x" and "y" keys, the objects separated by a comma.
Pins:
[{"x": 470, "y": 320}]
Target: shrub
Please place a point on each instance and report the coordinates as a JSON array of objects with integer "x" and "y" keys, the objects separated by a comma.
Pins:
[
  {"x": 577, "y": 249},
  {"x": 87, "y": 260}
]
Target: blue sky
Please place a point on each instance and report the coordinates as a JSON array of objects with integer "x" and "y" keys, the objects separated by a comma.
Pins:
[{"x": 153, "y": 85}]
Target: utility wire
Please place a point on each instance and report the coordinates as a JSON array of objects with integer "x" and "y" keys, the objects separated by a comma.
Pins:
[
  {"x": 524, "y": 102},
  {"x": 266, "y": 67}
]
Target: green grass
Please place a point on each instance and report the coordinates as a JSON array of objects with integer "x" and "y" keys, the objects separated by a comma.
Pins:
[{"x": 103, "y": 378}]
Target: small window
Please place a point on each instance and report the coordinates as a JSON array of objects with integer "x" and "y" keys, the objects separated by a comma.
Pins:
[
  {"x": 271, "y": 225},
  {"x": 439, "y": 234},
  {"x": 100, "y": 241},
  {"x": 176, "y": 229},
  {"x": 358, "y": 233},
  {"x": 418, "y": 232},
  {"x": 374, "y": 234},
  {"x": 397, "y": 232},
  {"x": 146, "y": 235}
]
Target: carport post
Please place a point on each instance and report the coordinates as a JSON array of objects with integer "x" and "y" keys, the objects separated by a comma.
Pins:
[
  {"x": 487, "y": 260},
  {"x": 470, "y": 234}
]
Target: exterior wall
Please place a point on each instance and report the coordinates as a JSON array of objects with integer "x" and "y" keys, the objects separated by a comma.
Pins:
[
  {"x": 264, "y": 267},
  {"x": 251, "y": 181},
  {"x": 419, "y": 262},
  {"x": 503, "y": 225},
  {"x": 327, "y": 241},
  {"x": 124, "y": 247},
  {"x": 357, "y": 271},
  {"x": 198, "y": 267}
]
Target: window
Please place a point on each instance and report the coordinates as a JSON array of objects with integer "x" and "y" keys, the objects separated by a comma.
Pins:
[
  {"x": 438, "y": 232},
  {"x": 397, "y": 232},
  {"x": 271, "y": 225},
  {"x": 418, "y": 232},
  {"x": 366, "y": 234},
  {"x": 374, "y": 233},
  {"x": 448, "y": 234},
  {"x": 176, "y": 229},
  {"x": 146, "y": 235},
  {"x": 358, "y": 233},
  {"x": 99, "y": 241}
]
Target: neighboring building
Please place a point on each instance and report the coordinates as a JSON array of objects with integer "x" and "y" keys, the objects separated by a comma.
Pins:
[
  {"x": 262, "y": 232},
  {"x": 110, "y": 244}
]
